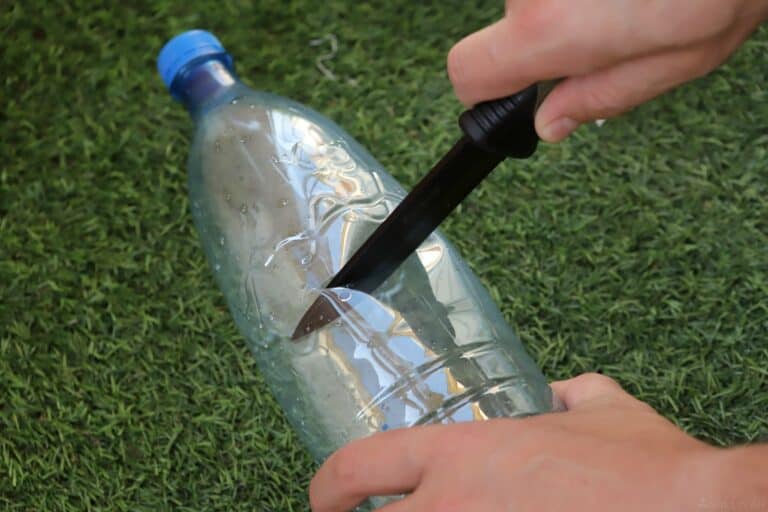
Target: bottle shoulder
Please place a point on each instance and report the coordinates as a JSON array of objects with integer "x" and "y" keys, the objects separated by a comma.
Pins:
[{"x": 256, "y": 102}]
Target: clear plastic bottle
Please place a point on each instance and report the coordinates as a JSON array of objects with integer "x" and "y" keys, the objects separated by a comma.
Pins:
[{"x": 281, "y": 198}]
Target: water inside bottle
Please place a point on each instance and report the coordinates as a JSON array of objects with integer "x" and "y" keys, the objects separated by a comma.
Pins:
[
  {"x": 378, "y": 367},
  {"x": 283, "y": 197}
]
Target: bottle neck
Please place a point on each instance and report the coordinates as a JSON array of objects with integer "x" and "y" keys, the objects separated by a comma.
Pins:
[{"x": 201, "y": 82}]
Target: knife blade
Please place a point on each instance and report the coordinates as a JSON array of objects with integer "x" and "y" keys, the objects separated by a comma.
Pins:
[{"x": 493, "y": 131}]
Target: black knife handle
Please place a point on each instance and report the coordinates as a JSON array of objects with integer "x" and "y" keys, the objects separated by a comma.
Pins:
[{"x": 506, "y": 126}]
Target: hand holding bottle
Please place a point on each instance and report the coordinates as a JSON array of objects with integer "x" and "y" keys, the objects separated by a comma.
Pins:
[{"x": 608, "y": 452}]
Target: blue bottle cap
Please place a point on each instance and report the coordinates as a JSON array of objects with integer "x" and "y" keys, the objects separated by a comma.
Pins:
[{"x": 186, "y": 47}]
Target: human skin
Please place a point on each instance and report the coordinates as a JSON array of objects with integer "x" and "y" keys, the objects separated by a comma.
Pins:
[
  {"x": 611, "y": 54},
  {"x": 609, "y": 451}
]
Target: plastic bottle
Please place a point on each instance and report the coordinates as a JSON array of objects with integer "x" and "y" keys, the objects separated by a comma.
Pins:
[{"x": 281, "y": 197}]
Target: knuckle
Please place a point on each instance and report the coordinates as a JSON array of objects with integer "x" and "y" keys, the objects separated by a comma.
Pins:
[
  {"x": 456, "y": 65},
  {"x": 598, "y": 379},
  {"x": 518, "y": 428},
  {"x": 695, "y": 62},
  {"x": 605, "y": 101},
  {"x": 447, "y": 437},
  {"x": 534, "y": 17},
  {"x": 713, "y": 19},
  {"x": 344, "y": 468},
  {"x": 711, "y": 22},
  {"x": 459, "y": 437},
  {"x": 443, "y": 448},
  {"x": 709, "y": 57}
]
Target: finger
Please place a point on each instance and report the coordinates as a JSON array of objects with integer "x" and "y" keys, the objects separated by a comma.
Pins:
[
  {"x": 384, "y": 464},
  {"x": 587, "y": 389},
  {"x": 536, "y": 41},
  {"x": 618, "y": 89}
]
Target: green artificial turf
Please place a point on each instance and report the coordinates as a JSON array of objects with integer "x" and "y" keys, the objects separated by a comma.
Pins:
[{"x": 638, "y": 249}]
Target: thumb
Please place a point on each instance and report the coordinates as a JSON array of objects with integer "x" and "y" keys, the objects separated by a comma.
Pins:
[{"x": 589, "y": 389}]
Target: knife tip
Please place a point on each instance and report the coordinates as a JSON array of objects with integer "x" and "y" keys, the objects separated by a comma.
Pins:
[{"x": 318, "y": 315}]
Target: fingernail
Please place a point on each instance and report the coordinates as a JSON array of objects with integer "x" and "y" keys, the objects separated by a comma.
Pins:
[{"x": 558, "y": 129}]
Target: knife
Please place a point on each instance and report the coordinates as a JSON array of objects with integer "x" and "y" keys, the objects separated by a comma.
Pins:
[{"x": 492, "y": 131}]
